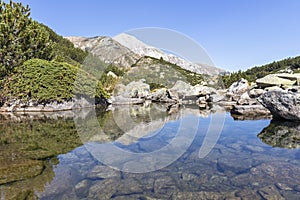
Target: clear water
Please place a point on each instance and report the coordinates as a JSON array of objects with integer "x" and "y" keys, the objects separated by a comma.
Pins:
[{"x": 48, "y": 157}]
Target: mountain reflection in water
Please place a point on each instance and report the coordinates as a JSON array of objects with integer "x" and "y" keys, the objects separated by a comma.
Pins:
[{"x": 44, "y": 157}]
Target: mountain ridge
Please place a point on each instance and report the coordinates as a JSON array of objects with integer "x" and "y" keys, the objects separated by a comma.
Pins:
[
  {"x": 143, "y": 49},
  {"x": 107, "y": 49},
  {"x": 125, "y": 50}
]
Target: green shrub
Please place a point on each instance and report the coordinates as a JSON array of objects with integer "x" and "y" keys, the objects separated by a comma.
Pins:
[
  {"x": 45, "y": 81},
  {"x": 116, "y": 70},
  {"x": 160, "y": 73},
  {"x": 154, "y": 86},
  {"x": 108, "y": 82},
  {"x": 191, "y": 77},
  {"x": 233, "y": 77}
]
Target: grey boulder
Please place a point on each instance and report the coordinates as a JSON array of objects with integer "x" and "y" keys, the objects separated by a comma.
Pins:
[
  {"x": 282, "y": 104},
  {"x": 135, "y": 89}
]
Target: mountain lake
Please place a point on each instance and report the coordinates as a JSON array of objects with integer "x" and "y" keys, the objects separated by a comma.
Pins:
[{"x": 211, "y": 155}]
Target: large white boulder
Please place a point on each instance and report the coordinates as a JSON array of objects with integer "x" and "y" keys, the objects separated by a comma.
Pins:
[
  {"x": 239, "y": 87},
  {"x": 278, "y": 80}
]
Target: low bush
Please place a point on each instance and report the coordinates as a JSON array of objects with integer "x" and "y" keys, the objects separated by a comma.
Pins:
[{"x": 45, "y": 81}]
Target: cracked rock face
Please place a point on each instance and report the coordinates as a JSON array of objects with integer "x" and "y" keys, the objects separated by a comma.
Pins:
[{"x": 282, "y": 104}]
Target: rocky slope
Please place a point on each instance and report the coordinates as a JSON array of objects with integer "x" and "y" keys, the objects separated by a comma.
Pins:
[
  {"x": 107, "y": 49},
  {"x": 143, "y": 49}
]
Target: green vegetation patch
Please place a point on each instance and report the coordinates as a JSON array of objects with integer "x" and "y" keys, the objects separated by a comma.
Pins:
[
  {"x": 160, "y": 73},
  {"x": 45, "y": 81},
  {"x": 64, "y": 50}
]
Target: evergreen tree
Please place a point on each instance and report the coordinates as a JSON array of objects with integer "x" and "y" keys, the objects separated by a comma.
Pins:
[{"x": 21, "y": 38}]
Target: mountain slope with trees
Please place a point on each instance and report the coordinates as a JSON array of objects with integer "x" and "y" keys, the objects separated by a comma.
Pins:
[{"x": 252, "y": 74}]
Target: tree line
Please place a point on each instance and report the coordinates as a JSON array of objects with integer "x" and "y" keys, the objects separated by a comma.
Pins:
[{"x": 252, "y": 74}]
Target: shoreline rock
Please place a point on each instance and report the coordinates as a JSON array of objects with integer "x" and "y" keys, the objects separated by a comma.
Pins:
[
  {"x": 282, "y": 104},
  {"x": 164, "y": 96},
  {"x": 134, "y": 89},
  {"x": 240, "y": 97},
  {"x": 250, "y": 110},
  {"x": 120, "y": 100},
  {"x": 31, "y": 106},
  {"x": 279, "y": 80}
]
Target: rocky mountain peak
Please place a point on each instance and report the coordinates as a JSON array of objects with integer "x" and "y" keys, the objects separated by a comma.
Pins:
[
  {"x": 143, "y": 49},
  {"x": 124, "y": 50},
  {"x": 107, "y": 49}
]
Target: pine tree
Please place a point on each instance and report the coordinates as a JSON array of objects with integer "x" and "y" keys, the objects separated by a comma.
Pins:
[{"x": 21, "y": 38}]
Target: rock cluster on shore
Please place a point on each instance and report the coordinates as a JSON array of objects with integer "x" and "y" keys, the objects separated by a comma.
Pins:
[
  {"x": 238, "y": 95},
  {"x": 275, "y": 95},
  {"x": 16, "y": 105}
]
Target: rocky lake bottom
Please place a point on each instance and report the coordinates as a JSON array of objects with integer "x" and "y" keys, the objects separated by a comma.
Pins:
[{"x": 50, "y": 157}]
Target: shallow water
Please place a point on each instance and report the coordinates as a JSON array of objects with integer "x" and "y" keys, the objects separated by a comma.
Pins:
[{"x": 56, "y": 157}]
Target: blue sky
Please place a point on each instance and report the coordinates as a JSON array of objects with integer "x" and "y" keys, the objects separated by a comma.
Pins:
[{"x": 237, "y": 34}]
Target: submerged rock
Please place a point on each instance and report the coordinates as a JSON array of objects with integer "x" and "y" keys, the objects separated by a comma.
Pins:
[
  {"x": 262, "y": 175},
  {"x": 114, "y": 187},
  {"x": 282, "y": 104},
  {"x": 270, "y": 192},
  {"x": 81, "y": 188},
  {"x": 19, "y": 170},
  {"x": 103, "y": 172},
  {"x": 204, "y": 195}
]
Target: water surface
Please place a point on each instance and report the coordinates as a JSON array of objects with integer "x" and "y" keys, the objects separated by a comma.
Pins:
[{"x": 46, "y": 157}]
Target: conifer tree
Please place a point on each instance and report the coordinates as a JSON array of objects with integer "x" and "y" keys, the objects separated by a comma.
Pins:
[{"x": 21, "y": 38}]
